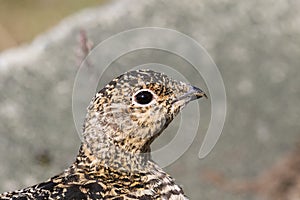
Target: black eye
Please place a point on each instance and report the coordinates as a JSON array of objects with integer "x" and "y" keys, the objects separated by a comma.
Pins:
[{"x": 143, "y": 97}]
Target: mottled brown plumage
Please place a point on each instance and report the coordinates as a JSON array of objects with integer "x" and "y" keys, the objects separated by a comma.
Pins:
[{"x": 114, "y": 159}]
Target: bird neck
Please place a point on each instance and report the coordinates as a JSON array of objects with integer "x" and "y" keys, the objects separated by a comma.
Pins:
[
  {"x": 111, "y": 149},
  {"x": 148, "y": 174},
  {"x": 112, "y": 157}
]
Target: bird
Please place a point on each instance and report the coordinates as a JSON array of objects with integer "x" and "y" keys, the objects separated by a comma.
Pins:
[{"x": 114, "y": 159}]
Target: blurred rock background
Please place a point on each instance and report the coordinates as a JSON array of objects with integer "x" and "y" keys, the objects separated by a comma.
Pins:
[{"x": 255, "y": 44}]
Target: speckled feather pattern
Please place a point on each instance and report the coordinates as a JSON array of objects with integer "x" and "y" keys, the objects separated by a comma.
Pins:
[{"x": 114, "y": 159}]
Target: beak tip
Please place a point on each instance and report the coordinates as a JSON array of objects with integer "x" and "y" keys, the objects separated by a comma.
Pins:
[{"x": 199, "y": 93}]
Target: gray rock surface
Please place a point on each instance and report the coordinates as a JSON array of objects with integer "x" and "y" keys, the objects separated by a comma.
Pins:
[{"x": 255, "y": 44}]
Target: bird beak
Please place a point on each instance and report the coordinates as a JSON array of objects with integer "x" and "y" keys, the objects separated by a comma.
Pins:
[
  {"x": 196, "y": 93},
  {"x": 192, "y": 94}
]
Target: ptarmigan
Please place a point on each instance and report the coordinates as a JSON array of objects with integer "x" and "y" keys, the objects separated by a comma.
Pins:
[{"x": 114, "y": 160}]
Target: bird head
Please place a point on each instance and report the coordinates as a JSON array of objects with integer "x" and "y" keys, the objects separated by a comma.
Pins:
[{"x": 134, "y": 108}]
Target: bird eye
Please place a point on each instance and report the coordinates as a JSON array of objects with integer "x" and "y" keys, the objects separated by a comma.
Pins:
[{"x": 143, "y": 97}]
